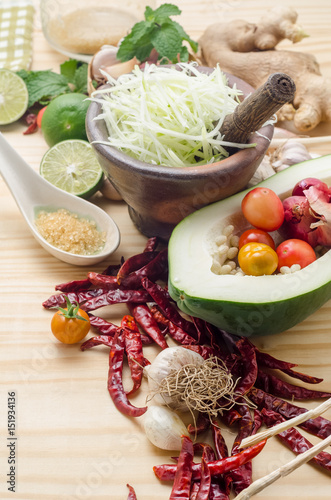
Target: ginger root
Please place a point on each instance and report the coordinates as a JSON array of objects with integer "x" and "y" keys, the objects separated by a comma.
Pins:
[{"x": 248, "y": 51}]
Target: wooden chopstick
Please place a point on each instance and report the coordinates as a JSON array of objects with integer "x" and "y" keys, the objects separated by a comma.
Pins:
[
  {"x": 283, "y": 471},
  {"x": 283, "y": 426}
]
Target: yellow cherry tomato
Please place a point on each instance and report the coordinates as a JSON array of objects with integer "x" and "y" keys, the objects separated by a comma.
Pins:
[
  {"x": 71, "y": 324},
  {"x": 257, "y": 259}
]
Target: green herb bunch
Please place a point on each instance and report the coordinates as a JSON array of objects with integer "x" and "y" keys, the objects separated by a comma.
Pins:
[
  {"x": 44, "y": 85},
  {"x": 157, "y": 32}
]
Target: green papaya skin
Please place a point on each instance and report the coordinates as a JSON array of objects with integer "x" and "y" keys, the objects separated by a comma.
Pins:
[{"x": 245, "y": 305}]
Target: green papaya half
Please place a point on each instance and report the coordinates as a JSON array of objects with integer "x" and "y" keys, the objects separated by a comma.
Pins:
[{"x": 245, "y": 305}]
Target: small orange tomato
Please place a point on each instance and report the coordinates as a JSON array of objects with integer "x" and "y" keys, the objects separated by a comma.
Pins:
[
  {"x": 257, "y": 236},
  {"x": 257, "y": 259},
  {"x": 71, "y": 324},
  {"x": 40, "y": 115}
]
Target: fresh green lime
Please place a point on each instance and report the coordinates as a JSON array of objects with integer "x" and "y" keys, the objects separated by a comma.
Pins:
[
  {"x": 72, "y": 166},
  {"x": 13, "y": 97},
  {"x": 64, "y": 118}
]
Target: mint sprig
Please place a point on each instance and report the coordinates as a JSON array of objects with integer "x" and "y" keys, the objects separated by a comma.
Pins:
[
  {"x": 44, "y": 85},
  {"x": 158, "y": 32}
]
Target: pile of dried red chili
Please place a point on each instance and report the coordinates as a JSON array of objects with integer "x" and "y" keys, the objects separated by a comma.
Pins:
[{"x": 152, "y": 317}]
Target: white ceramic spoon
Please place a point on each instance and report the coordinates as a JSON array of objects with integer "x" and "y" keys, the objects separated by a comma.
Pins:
[{"x": 33, "y": 193}]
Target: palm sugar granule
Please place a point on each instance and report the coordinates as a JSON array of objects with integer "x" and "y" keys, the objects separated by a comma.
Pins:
[{"x": 69, "y": 232}]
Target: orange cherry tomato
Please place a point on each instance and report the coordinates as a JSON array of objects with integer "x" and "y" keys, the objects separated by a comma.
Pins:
[
  {"x": 71, "y": 324},
  {"x": 40, "y": 115},
  {"x": 263, "y": 208},
  {"x": 295, "y": 251},
  {"x": 257, "y": 236},
  {"x": 257, "y": 259}
]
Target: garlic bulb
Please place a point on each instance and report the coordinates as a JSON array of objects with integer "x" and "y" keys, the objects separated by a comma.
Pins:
[
  {"x": 164, "y": 428},
  {"x": 167, "y": 361}
]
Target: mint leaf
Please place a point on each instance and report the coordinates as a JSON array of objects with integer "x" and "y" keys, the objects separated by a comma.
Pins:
[
  {"x": 157, "y": 31},
  {"x": 167, "y": 41},
  {"x": 44, "y": 85},
  {"x": 184, "y": 55},
  {"x": 165, "y": 10},
  {"x": 139, "y": 30},
  {"x": 185, "y": 36},
  {"x": 144, "y": 51},
  {"x": 68, "y": 69},
  {"x": 149, "y": 14},
  {"x": 127, "y": 50},
  {"x": 80, "y": 79}
]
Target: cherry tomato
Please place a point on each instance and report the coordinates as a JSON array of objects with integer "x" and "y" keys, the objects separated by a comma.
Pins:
[
  {"x": 295, "y": 252},
  {"x": 257, "y": 259},
  {"x": 40, "y": 115},
  {"x": 257, "y": 236},
  {"x": 263, "y": 209},
  {"x": 71, "y": 324}
]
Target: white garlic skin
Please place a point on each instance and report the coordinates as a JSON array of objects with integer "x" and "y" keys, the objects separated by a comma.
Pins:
[
  {"x": 164, "y": 428},
  {"x": 172, "y": 358}
]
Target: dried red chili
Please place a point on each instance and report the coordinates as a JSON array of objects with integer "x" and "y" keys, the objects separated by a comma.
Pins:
[
  {"x": 294, "y": 440},
  {"x": 95, "y": 341},
  {"x": 151, "y": 244},
  {"x": 59, "y": 300},
  {"x": 103, "y": 326},
  {"x": 74, "y": 286},
  {"x": 241, "y": 478},
  {"x": 174, "y": 331},
  {"x": 204, "y": 350},
  {"x": 115, "y": 384},
  {"x": 31, "y": 120},
  {"x": 309, "y": 379},
  {"x": 103, "y": 281},
  {"x": 132, "y": 494},
  {"x": 205, "y": 481},
  {"x": 146, "y": 321},
  {"x": 319, "y": 426},
  {"x": 170, "y": 312},
  {"x": 156, "y": 269},
  {"x": 277, "y": 387},
  {"x": 249, "y": 374},
  {"x": 116, "y": 297},
  {"x": 134, "y": 351},
  {"x": 183, "y": 474},
  {"x": 133, "y": 263},
  {"x": 166, "y": 472},
  {"x": 202, "y": 425}
]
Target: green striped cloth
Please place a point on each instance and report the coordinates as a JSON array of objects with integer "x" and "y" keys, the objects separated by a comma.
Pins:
[{"x": 16, "y": 27}]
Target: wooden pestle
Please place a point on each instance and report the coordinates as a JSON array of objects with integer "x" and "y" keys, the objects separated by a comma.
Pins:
[{"x": 257, "y": 108}]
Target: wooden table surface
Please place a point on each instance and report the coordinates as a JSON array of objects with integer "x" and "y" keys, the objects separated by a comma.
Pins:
[{"x": 71, "y": 442}]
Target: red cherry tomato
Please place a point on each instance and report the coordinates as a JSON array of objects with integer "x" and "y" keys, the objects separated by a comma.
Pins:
[
  {"x": 257, "y": 259},
  {"x": 295, "y": 252},
  {"x": 40, "y": 115},
  {"x": 257, "y": 236},
  {"x": 263, "y": 209}
]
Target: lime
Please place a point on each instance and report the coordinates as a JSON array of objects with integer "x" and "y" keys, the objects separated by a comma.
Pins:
[
  {"x": 13, "y": 97},
  {"x": 64, "y": 118},
  {"x": 72, "y": 166}
]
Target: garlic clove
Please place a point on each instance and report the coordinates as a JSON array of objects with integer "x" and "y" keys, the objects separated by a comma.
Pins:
[
  {"x": 105, "y": 59},
  {"x": 164, "y": 428}
]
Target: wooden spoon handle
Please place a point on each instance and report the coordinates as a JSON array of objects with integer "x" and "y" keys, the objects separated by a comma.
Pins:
[{"x": 258, "y": 107}]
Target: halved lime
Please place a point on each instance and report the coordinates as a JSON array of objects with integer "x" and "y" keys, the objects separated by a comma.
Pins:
[
  {"x": 72, "y": 166},
  {"x": 13, "y": 97}
]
